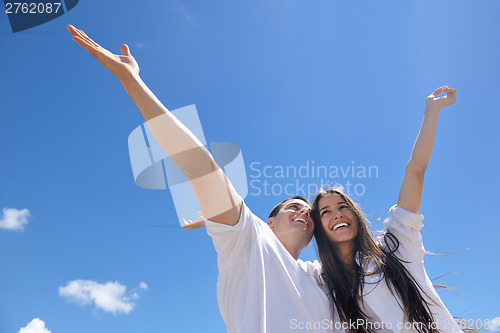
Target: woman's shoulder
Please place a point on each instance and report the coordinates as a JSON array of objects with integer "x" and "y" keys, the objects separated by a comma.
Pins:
[{"x": 401, "y": 216}]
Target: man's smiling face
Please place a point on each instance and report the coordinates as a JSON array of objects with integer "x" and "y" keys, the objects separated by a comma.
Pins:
[{"x": 293, "y": 220}]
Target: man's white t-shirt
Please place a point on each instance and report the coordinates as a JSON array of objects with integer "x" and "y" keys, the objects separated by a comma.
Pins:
[{"x": 261, "y": 288}]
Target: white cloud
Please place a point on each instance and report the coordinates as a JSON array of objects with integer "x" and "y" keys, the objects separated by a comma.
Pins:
[
  {"x": 143, "y": 285},
  {"x": 495, "y": 324},
  {"x": 35, "y": 326},
  {"x": 142, "y": 45},
  {"x": 109, "y": 297},
  {"x": 14, "y": 219},
  {"x": 185, "y": 13}
]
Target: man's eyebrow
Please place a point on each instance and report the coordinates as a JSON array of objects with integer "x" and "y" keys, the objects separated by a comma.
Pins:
[{"x": 297, "y": 204}]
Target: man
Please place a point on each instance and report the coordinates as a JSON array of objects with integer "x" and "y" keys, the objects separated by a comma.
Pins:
[{"x": 261, "y": 286}]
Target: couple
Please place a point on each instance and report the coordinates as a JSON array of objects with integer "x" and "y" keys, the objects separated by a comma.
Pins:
[{"x": 361, "y": 285}]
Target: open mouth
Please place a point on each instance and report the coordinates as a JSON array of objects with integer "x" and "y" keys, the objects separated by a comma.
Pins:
[
  {"x": 340, "y": 226},
  {"x": 301, "y": 221}
]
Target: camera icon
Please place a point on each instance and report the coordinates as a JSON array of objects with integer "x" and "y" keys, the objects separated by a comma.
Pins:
[{"x": 153, "y": 169}]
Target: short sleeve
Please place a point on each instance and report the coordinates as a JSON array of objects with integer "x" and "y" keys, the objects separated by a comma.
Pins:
[
  {"x": 406, "y": 227},
  {"x": 312, "y": 268},
  {"x": 233, "y": 243}
]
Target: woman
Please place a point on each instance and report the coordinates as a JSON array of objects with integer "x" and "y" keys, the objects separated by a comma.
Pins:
[{"x": 382, "y": 285}]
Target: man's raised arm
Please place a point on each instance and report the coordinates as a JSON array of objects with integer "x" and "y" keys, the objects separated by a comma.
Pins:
[{"x": 216, "y": 196}]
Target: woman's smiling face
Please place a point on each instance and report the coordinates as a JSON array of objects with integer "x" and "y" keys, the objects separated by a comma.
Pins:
[{"x": 337, "y": 219}]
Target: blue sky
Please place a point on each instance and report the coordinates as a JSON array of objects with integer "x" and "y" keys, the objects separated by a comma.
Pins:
[{"x": 291, "y": 82}]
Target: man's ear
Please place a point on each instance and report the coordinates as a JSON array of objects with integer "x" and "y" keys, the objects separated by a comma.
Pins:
[{"x": 270, "y": 223}]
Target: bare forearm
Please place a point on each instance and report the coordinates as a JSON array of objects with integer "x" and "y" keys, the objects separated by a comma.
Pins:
[
  {"x": 410, "y": 194},
  {"x": 424, "y": 143},
  {"x": 149, "y": 106},
  {"x": 175, "y": 139},
  {"x": 218, "y": 199}
]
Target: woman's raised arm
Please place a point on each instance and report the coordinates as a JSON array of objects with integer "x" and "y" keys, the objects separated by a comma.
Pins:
[{"x": 410, "y": 193}]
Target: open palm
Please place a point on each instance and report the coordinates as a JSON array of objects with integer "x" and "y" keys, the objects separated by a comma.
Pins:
[{"x": 122, "y": 66}]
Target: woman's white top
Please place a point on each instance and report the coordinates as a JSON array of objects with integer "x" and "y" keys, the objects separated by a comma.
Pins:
[{"x": 379, "y": 302}]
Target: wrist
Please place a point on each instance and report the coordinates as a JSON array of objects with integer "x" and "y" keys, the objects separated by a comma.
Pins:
[
  {"x": 432, "y": 109},
  {"x": 130, "y": 80}
]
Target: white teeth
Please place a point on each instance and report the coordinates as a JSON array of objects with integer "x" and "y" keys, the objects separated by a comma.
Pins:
[
  {"x": 300, "y": 220},
  {"x": 343, "y": 224}
]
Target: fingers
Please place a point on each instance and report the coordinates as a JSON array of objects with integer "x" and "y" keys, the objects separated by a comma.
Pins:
[
  {"x": 448, "y": 99},
  {"x": 82, "y": 39},
  {"x": 125, "y": 50},
  {"x": 77, "y": 32},
  {"x": 71, "y": 29},
  {"x": 438, "y": 91},
  {"x": 445, "y": 89},
  {"x": 187, "y": 224},
  {"x": 450, "y": 91},
  {"x": 451, "y": 96},
  {"x": 88, "y": 39},
  {"x": 89, "y": 47}
]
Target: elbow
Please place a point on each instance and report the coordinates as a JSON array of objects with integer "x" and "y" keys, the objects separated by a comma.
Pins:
[
  {"x": 195, "y": 163},
  {"x": 415, "y": 171}
]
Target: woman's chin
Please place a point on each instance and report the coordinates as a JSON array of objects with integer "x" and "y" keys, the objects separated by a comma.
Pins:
[{"x": 341, "y": 239}]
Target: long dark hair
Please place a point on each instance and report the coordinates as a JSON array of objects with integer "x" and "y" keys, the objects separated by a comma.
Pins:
[{"x": 346, "y": 290}]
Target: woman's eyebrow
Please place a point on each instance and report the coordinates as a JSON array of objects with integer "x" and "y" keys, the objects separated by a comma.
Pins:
[{"x": 324, "y": 208}]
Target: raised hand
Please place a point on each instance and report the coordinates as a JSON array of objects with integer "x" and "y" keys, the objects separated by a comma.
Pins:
[
  {"x": 122, "y": 66},
  {"x": 216, "y": 195},
  {"x": 190, "y": 225},
  {"x": 438, "y": 102}
]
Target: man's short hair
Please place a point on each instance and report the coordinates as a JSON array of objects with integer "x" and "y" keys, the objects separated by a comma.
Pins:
[{"x": 277, "y": 208}]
